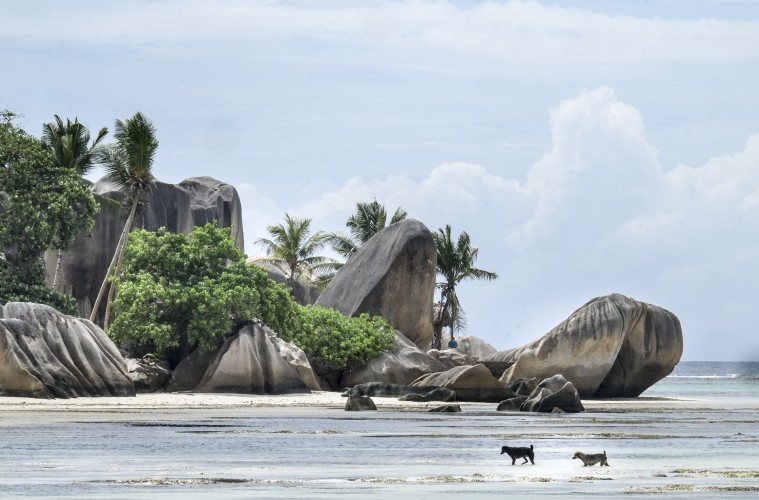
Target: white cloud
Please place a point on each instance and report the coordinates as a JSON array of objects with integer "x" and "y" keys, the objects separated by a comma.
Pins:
[
  {"x": 595, "y": 215},
  {"x": 514, "y": 31}
]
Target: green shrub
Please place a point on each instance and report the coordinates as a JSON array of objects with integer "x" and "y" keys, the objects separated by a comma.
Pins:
[
  {"x": 335, "y": 342},
  {"x": 178, "y": 293}
]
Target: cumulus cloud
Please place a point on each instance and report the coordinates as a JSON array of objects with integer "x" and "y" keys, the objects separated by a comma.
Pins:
[{"x": 596, "y": 214}]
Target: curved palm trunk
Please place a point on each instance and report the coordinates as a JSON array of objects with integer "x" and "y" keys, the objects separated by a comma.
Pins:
[
  {"x": 437, "y": 334},
  {"x": 58, "y": 265},
  {"x": 112, "y": 290},
  {"x": 116, "y": 253}
]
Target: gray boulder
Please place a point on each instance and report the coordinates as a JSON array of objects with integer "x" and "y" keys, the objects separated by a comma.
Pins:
[
  {"x": 447, "y": 409},
  {"x": 613, "y": 346},
  {"x": 451, "y": 358},
  {"x": 551, "y": 393},
  {"x": 436, "y": 394},
  {"x": 475, "y": 347},
  {"x": 359, "y": 403},
  {"x": 402, "y": 392},
  {"x": 189, "y": 372},
  {"x": 512, "y": 404},
  {"x": 148, "y": 375},
  {"x": 401, "y": 365},
  {"x": 470, "y": 383},
  {"x": 392, "y": 275},
  {"x": 178, "y": 208},
  {"x": 251, "y": 362},
  {"x": 47, "y": 354},
  {"x": 524, "y": 386}
]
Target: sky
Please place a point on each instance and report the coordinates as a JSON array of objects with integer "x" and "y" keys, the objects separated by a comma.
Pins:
[{"x": 586, "y": 147}]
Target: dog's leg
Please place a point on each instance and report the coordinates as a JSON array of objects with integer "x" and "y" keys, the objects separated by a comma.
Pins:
[{"x": 525, "y": 460}]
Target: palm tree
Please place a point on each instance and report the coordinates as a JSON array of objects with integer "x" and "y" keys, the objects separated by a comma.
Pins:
[
  {"x": 70, "y": 147},
  {"x": 369, "y": 219},
  {"x": 292, "y": 244},
  {"x": 455, "y": 262},
  {"x": 128, "y": 164}
]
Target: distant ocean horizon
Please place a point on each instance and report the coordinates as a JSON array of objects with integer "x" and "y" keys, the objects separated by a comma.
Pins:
[{"x": 709, "y": 379}]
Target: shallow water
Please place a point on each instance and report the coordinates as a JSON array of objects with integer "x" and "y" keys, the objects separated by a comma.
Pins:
[{"x": 328, "y": 453}]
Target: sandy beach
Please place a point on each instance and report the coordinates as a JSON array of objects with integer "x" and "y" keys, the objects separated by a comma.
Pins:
[
  {"x": 153, "y": 405},
  {"x": 189, "y": 445}
]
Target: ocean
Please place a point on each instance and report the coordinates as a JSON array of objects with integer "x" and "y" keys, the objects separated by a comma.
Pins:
[{"x": 707, "y": 449}]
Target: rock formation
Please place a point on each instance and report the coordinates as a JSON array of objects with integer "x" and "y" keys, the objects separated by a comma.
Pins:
[
  {"x": 253, "y": 361},
  {"x": 148, "y": 375},
  {"x": 401, "y": 365},
  {"x": 475, "y": 347},
  {"x": 402, "y": 392},
  {"x": 551, "y": 393},
  {"x": 613, "y": 346},
  {"x": 451, "y": 358},
  {"x": 47, "y": 354},
  {"x": 178, "y": 208},
  {"x": 359, "y": 403},
  {"x": 392, "y": 275},
  {"x": 470, "y": 383}
]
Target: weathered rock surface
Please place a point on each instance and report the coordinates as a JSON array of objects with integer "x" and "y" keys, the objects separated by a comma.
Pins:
[
  {"x": 447, "y": 409},
  {"x": 470, "y": 383},
  {"x": 451, "y": 358},
  {"x": 296, "y": 358},
  {"x": 359, "y": 403},
  {"x": 148, "y": 375},
  {"x": 251, "y": 362},
  {"x": 402, "y": 392},
  {"x": 475, "y": 347},
  {"x": 613, "y": 346},
  {"x": 551, "y": 393},
  {"x": 524, "y": 386},
  {"x": 402, "y": 365},
  {"x": 436, "y": 394},
  {"x": 512, "y": 404},
  {"x": 304, "y": 290},
  {"x": 189, "y": 372},
  {"x": 178, "y": 208},
  {"x": 392, "y": 275},
  {"x": 47, "y": 354}
]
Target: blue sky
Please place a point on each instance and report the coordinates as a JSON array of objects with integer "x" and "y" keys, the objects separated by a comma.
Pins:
[{"x": 587, "y": 147}]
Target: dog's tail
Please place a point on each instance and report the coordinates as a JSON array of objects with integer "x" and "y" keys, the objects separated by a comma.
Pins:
[
  {"x": 530, "y": 447},
  {"x": 604, "y": 452}
]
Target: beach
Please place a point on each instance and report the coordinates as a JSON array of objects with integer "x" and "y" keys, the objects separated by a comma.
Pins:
[{"x": 307, "y": 446}]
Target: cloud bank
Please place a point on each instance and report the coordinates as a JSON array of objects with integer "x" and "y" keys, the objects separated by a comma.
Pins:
[{"x": 595, "y": 214}]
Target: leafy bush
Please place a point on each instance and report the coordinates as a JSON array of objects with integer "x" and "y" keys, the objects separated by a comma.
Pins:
[
  {"x": 14, "y": 289},
  {"x": 177, "y": 292},
  {"x": 335, "y": 342}
]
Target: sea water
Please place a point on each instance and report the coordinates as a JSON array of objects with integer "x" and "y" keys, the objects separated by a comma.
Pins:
[{"x": 329, "y": 453}]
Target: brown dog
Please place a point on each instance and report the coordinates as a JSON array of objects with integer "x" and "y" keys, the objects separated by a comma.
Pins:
[
  {"x": 521, "y": 452},
  {"x": 592, "y": 459}
]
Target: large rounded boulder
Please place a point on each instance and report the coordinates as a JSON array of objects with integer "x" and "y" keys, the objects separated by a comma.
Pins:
[
  {"x": 470, "y": 383},
  {"x": 177, "y": 207},
  {"x": 613, "y": 346},
  {"x": 254, "y": 361},
  {"x": 392, "y": 275},
  {"x": 47, "y": 354}
]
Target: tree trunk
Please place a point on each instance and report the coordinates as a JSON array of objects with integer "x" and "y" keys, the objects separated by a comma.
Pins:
[
  {"x": 112, "y": 290},
  {"x": 437, "y": 335},
  {"x": 58, "y": 265},
  {"x": 124, "y": 234}
]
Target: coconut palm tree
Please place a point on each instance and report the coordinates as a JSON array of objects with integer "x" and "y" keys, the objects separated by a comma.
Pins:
[
  {"x": 455, "y": 262},
  {"x": 70, "y": 147},
  {"x": 292, "y": 244},
  {"x": 369, "y": 219},
  {"x": 128, "y": 164}
]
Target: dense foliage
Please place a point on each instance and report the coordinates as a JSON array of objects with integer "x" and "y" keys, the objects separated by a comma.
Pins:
[
  {"x": 43, "y": 205},
  {"x": 178, "y": 292},
  {"x": 335, "y": 342}
]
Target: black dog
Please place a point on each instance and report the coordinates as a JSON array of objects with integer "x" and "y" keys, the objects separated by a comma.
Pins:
[{"x": 520, "y": 452}]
